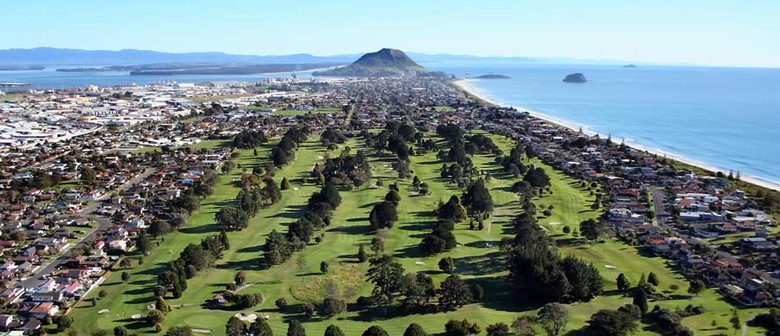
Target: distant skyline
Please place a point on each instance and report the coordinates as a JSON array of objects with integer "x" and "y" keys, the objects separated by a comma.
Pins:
[{"x": 723, "y": 33}]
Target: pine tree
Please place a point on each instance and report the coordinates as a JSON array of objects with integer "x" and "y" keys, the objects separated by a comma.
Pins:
[
  {"x": 285, "y": 184},
  {"x": 260, "y": 327},
  {"x": 362, "y": 255},
  {"x": 640, "y": 300},
  {"x": 333, "y": 330},
  {"x": 415, "y": 329},
  {"x": 295, "y": 328},
  {"x": 623, "y": 283},
  {"x": 653, "y": 279}
]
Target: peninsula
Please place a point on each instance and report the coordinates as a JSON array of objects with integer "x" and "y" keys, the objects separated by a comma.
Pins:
[{"x": 493, "y": 76}]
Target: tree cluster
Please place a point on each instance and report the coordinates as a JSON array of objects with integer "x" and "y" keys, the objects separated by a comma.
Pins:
[
  {"x": 539, "y": 274},
  {"x": 249, "y": 139},
  {"x": 384, "y": 214},
  {"x": 284, "y": 152},
  {"x": 194, "y": 258},
  {"x": 332, "y": 136},
  {"x": 351, "y": 170},
  {"x": 279, "y": 247}
]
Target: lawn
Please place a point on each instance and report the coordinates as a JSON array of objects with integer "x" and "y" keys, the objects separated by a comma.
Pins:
[
  {"x": 477, "y": 257},
  {"x": 209, "y": 144},
  {"x": 208, "y": 99},
  {"x": 304, "y": 112}
]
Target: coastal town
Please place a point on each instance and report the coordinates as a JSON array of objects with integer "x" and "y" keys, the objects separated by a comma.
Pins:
[{"x": 89, "y": 174}]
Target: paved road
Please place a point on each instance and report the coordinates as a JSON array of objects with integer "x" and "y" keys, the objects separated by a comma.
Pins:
[
  {"x": 658, "y": 204},
  {"x": 86, "y": 212}
]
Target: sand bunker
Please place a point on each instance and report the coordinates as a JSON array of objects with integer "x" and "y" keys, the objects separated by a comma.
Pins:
[
  {"x": 247, "y": 318},
  {"x": 201, "y": 331},
  {"x": 137, "y": 316},
  {"x": 610, "y": 266},
  {"x": 103, "y": 311}
]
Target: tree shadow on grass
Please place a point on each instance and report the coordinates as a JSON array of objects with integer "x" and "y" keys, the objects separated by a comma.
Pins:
[
  {"x": 356, "y": 230},
  {"x": 144, "y": 299},
  {"x": 202, "y": 229},
  {"x": 498, "y": 294},
  {"x": 489, "y": 244},
  {"x": 251, "y": 249},
  {"x": 412, "y": 251},
  {"x": 292, "y": 211},
  {"x": 419, "y": 226},
  {"x": 252, "y": 264},
  {"x": 488, "y": 263}
]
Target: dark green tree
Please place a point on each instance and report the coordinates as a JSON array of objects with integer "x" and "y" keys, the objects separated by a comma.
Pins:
[
  {"x": 640, "y": 300},
  {"x": 260, "y": 327},
  {"x": 415, "y": 329},
  {"x": 446, "y": 265},
  {"x": 333, "y": 330},
  {"x": 553, "y": 318},
  {"x": 295, "y": 328},
  {"x": 498, "y": 329},
  {"x": 387, "y": 275},
  {"x": 235, "y": 327},
  {"x": 623, "y": 284},
  {"x": 375, "y": 331},
  {"x": 453, "y": 293}
]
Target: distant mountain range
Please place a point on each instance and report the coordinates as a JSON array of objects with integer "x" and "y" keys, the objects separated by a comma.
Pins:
[
  {"x": 60, "y": 56},
  {"x": 56, "y": 56},
  {"x": 383, "y": 63}
]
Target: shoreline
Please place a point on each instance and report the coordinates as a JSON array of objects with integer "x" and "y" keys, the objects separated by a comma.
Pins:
[{"x": 466, "y": 86}]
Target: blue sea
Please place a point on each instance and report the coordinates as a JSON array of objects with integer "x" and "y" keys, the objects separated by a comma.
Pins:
[{"x": 724, "y": 118}]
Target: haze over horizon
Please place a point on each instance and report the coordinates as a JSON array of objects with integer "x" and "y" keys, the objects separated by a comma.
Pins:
[{"x": 695, "y": 32}]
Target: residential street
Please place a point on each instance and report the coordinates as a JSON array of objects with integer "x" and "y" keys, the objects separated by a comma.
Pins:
[{"x": 103, "y": 225}]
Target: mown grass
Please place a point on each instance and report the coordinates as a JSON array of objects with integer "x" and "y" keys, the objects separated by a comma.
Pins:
[
  {"x": 304, "y": 112},
  {"x": 477, "y": 257}
]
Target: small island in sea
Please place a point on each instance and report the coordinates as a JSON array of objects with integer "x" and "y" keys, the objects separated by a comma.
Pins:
[
  {"x": 630, "y": 66},
  {"x": 493, "y": 76},
  {"x": 575, "y": 78}
]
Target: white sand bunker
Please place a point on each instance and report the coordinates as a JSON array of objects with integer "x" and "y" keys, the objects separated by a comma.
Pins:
[
  {"x": 137, "y": 316},
  {"x": 247, "y": 318},
  {"x": 610, "y": 266},
  {"x": 555, "y": 223},
  {"x": 419, "y": 263},
  {"x": 103, "y": 311},
  {"x": 296, "y": 188},
  {"x": 201, "y": 331}
]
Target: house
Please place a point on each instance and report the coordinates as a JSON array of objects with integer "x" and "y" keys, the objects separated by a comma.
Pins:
[
  {"x": 43, "y": 309},
  {"x": 47, "y": 296},
  {"x": 757, "y": 244},
  {"x": 7, "y": 321},
  {"x": 31, "y": 325},
  {"x": 11, "y": 294}
]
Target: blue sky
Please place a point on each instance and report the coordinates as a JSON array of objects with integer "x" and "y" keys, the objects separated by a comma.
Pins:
[{"x": 707, "y": 32}]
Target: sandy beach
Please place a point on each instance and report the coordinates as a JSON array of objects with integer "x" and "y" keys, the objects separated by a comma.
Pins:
[{"x": 465, "y": 85}]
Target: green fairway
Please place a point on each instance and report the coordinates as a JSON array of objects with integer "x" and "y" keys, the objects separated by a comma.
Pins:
[
  {"x": 477, "y": 258},
  {"x": 303, "y": 112}
]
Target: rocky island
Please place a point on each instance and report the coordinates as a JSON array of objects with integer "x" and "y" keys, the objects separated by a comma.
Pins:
[
  {"x": 575, "y": 78},
  {"x": 493, "y": 76},
  {"x": 630, "y": 66}
]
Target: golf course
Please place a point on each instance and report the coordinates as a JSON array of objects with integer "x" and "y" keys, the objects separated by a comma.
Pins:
[{"x": 477, "y": 257}]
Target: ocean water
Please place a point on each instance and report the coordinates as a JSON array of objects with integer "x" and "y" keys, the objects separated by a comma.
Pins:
[{"x": 725, "y": 118}]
